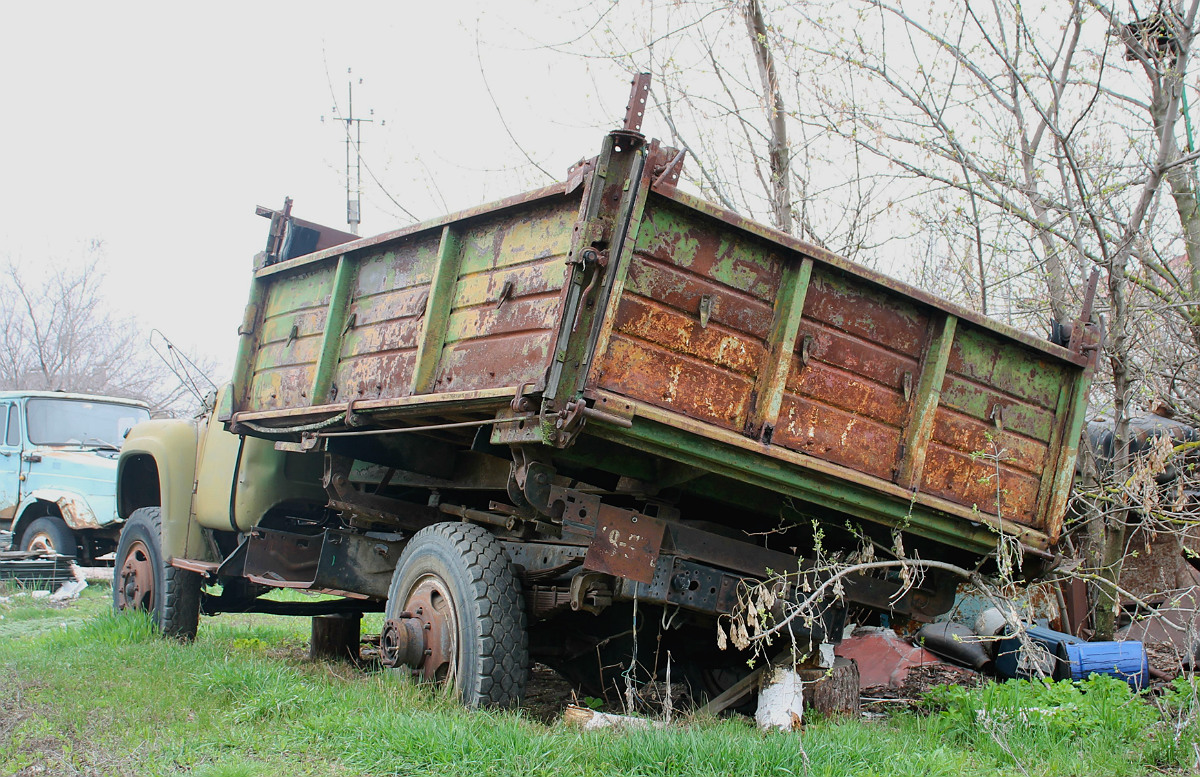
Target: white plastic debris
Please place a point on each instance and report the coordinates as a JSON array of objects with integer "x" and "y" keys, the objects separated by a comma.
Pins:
[
  {"x": 991, "y": 622},
  {"x": 781, "y": 701},
  {"x": 69, "y": 590},
  {"x": 589, "y": 719}
]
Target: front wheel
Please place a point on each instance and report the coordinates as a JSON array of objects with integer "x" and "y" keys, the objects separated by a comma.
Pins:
[
  {"x": 142, "y": 580},
  {"x": 455, "y": 614},
  {"x": 49, "y": 534}
]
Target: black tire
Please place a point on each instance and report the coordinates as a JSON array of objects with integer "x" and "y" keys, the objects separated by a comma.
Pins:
[
  {"x": 142, "y": 580},
  {"x": 486, "y": 640},
  {"x": 49, "y": 533}
]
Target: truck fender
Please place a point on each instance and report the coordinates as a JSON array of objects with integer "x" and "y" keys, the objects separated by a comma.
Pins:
[
  {"x": 158, "y": 468},
  {"x": 73, "y": 508}
]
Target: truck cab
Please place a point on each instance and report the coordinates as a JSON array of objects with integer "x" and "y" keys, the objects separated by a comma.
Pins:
[{"x": 58, "y": 464}]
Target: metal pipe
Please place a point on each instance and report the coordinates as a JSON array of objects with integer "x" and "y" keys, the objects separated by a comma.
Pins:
[
  {"x": 608, "y": 418},
  {"x": 431, "y": 427},
  {"x": 479, "y": 516}
]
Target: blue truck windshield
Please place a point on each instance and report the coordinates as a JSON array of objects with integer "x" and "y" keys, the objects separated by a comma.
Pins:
[{"x": 80, "y": 422}]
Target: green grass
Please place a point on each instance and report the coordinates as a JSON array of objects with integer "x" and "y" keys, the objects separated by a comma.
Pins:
[{"x": 82, "y": 691}]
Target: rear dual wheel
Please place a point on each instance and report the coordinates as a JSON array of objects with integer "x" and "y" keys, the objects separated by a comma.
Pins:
[
  {"x": 143, "y": 580},
  {"x": 455, "y": 614}
]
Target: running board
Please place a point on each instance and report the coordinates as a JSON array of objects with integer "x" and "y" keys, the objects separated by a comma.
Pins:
[{"x": 337, "y": 562}]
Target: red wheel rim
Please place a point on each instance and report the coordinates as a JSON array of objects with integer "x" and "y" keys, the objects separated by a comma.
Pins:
[
  {"x": 430, "y": 604},
  {"x": 135, "y": 579}
]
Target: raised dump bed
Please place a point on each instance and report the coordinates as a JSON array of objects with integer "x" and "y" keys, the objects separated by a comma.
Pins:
[
  {"x": 723, "y": 345},
  {"x": 606, "y": 394}
]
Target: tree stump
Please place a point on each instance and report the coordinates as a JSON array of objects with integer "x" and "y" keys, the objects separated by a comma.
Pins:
[
  {"x": 832, "y": 691},
  {"x": 335, "y": 637}
]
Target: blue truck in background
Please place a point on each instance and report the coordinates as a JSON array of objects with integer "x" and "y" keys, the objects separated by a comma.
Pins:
[{"x": 58, "y": 465}]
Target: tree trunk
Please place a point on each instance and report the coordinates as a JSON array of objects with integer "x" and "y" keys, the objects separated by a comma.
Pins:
[
  {"x": 1111, "y": 555},
  {"x": 832, "y": 691},
  {"x": 777, "y": 145},
  {"x": 1110, "y": 547}
]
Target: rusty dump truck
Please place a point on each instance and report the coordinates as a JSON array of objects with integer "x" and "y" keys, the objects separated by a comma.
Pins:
[{"x": 570, "y": 425}]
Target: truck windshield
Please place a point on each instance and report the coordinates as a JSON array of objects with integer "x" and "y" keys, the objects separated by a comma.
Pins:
[{"x": 80, "y": 422}]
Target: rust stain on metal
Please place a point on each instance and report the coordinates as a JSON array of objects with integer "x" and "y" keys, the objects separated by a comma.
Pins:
[
  {"x": 663, "y": 326},
  {"x": 626, "y": 544},
  {"x": 381, "y": 375},
  {"x": 671, "y": 236},
  {"x": 690, "y": 331},
  {"x": 481, "y": 363},
  {"x": 660, "y": 377},
  {"x": 386, "y": 308},
  {"x": 849, "y": 392},
  {"x": 396, "y": 268},
  {"x": 277, "y": 388},
  {"x": 682, "y": 291},
  {"x": 848, "y": 305},
  {"x": 515, "y": 316},
  {"x": 980, "y": 402},
  {"x": 372, "y": 337},
  {"x": 75, "y": 513},
  {"x": 975, "y": 482},
  {"x": 837, "y": 436},
  {"x": 854, "y": 355},
  {"x": 542, "y": 277},
  {"x": 984, "y": 358},
  {"x": 968, "y": 435}
]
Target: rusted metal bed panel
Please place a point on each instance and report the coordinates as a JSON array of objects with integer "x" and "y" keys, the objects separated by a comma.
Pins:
[
  {"x": 460, "y": 306},
  {"x": 507, "y": 299},
  {"x": 692, "y": 327},
  {"x": 732, "y": 325}
]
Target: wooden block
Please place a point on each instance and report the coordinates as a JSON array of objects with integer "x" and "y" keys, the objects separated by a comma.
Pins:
[{"x": 335, "y": 637}]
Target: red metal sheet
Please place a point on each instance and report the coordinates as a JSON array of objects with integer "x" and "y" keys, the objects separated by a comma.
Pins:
[{"x": 626, "y": 544}]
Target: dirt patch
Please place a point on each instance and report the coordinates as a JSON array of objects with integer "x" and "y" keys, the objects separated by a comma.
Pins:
[
  {"x": 547, "y": 695},
  {"x": 62, "y": 753},
  {"x": 920, "y": 680},
  {"x": 15, "y": 709}
]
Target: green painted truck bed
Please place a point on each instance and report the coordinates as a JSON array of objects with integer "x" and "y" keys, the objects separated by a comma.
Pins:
[{"x": 627, "y": 312}]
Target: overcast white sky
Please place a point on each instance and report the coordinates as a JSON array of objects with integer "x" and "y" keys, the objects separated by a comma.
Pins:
[{"x": 157, "y": 128}]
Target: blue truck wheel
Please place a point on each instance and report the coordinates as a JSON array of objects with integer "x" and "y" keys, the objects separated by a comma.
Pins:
[{"x": 49, "y": 533}]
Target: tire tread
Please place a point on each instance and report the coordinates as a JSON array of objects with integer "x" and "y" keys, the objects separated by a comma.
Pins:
[
  {"x": 177, "y": 605},
  {"x": 503, "y": 639}
]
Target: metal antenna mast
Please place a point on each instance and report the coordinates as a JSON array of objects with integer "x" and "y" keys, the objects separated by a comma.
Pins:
[{"x": 353, "y": 140}]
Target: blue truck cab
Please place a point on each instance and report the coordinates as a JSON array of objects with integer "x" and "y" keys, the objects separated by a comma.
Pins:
[{"x": 58, "y": 466}]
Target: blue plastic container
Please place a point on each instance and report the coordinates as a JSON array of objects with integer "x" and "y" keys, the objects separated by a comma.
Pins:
[
  {"x": 1040, "y": 657},
  {"x": 1123, "y": 660}
]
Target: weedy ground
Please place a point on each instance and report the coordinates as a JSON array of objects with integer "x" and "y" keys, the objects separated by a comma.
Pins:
[{"x": 83, "y": 692}]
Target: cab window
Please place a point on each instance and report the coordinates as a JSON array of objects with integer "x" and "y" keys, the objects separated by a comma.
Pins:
[{"x": 12, "y": 435}]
